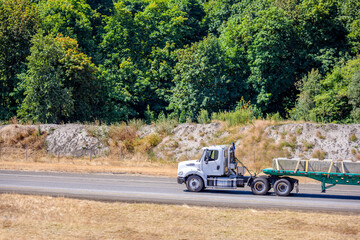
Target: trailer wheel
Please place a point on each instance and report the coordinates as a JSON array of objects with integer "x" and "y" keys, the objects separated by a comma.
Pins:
[
  {"x": 260, "y": 186},
  {"x": 194, "y": 183},
  {"x": 283, "y": 187},
  {"x": 292, "y": 182}
]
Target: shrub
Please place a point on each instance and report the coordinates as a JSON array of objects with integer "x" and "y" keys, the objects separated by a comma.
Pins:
[
  {"x": 136, "y": 123},
  {"x": 308, "y": 146},
  {"x": 352, "y": 137},
  {"x": 299, "y": 131},
  {"x": 243, "y": 114},
  {"x": 319, "y": 135},
  {"x": 122, "y": 132},
  {"x": 319, "y": 154},
  {"x": 164, "y": 126},
  {"x": 274, "y": 117},
  {"x": 203, "y": 117},
  {"x": 153, "y": 140},
  {"x": 149, "y": 115}
]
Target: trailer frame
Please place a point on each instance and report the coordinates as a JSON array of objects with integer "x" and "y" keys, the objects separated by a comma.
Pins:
[{"x": 324, "y": 177}]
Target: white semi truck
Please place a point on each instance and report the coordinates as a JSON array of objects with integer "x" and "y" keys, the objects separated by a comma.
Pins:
[{"x": 219, "y": 168}]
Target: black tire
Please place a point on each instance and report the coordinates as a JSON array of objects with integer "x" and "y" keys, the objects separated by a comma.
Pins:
[
  {"x": 194, "y": 183},
  {"x": 283, "y": 187},
  {"x": 291, "y": 182},
  {"x": 260, "y": 186}
]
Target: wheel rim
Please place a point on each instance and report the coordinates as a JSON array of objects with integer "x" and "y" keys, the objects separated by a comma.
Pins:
[
  {"x": 282, "y": 187},
  {"x": 259, "y": 186},
  {"x": 194, "y": 183}
]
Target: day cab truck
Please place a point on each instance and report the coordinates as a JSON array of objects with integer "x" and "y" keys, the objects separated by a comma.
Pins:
[{"x": 219, "y": 168}]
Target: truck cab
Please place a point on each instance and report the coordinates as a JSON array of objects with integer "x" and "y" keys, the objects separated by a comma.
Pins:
[{"x": 216, "y": 168}]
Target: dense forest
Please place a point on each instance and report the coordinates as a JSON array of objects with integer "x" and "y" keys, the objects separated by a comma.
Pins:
[{"x": 113, "y": 60}]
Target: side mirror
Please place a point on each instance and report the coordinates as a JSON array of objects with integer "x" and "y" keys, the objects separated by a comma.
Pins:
[{"x": 206, "y": 159}]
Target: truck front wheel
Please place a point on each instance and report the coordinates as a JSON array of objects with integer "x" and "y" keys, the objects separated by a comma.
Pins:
[
  {"x": 194, "y": 183},
  {"x": 283, "y": 187},
  {"x": 260, "y": 186}
]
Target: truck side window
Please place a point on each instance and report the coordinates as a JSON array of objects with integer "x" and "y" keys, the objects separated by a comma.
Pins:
[
  {"x": 213, "y": 155},
  {"x": 226, "y": 155}
]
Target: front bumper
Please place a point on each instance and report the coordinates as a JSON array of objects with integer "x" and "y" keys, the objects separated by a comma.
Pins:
[{"x": 180, "y": 180}]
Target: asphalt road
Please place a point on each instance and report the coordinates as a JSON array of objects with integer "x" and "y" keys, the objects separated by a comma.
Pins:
[{"x": 131, "y": 188}]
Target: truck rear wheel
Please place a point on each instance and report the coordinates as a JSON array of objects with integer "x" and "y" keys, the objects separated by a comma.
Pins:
[
  {"x": 283, "y": 187},
  {"x": 260, "y": 186},
  {"x": 194, "y": 183}
]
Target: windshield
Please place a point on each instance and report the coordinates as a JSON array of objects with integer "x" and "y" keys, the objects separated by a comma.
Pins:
[{"x": 202, "y": 155}]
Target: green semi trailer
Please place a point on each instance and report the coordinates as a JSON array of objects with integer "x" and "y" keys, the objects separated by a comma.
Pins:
[{"x": 337, "y": 172}]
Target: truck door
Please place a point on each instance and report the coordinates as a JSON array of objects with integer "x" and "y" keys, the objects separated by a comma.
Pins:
[{"x": 211, "y": 163}]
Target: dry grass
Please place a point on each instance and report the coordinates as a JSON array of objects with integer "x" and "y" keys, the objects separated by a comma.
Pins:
[
  {"x": 145, "y": 168},
  {"x": 255, "y": 148},
  {"x": 35, "y": 217},
  {"x": 18, "y": 136},
  {"x": 319, "y": 154}
]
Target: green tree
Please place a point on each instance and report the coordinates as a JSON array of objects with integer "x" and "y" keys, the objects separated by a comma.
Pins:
[
  {"x": 60, "y": 83},
  {"x": 194, "y": 14},
  {"x": 101, "y": 6},
  {"x": 350, "y": 16},
  {"x": 120, "y": 50},
  {"x": 354, "y": 96},
  {"x": 331, "y": 98},
  {"x": 159, "y": 24},
  {"x": 119, "y": 40},
  {"x": 18, "y": 23},
  {"x": 269, "y": 43},
  {"x": 136, "y": 49},
  {"x": 322, "y": 34},
  {"x": 217, "y": 12},
  {"x": 202, "y": 80},
  {"x": 119, "y": 100},
  {"x": 160, "y": 75},
  {"x": 309, "y": 87},
  {"x": 71, "y": 18}
]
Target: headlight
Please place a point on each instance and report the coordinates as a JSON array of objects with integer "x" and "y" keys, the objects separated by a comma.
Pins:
[{"x": 180, "y": 173}]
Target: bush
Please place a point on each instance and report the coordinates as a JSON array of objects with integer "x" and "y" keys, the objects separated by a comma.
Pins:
[
  {"x": 165, "y": 125},
  {"x": 243, "y": 114},
  {"x": 319, "y": 154},
  {"x": 122, "y": 132},
  {"x": 274, "y": 116},
  {"x": 153, "y": 140},
  {"x": 352, "y": 137},
  {"x": 203, "y": 117},
  {"x": 136, "y": 123}
]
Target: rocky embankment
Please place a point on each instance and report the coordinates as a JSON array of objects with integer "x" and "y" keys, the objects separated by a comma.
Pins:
[{"x": 305, "y": 140}]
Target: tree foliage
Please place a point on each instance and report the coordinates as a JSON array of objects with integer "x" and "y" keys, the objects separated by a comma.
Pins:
[
  {"x": 71, "y": 18},
  {"x": 332, "y": 98},
  {"x": 117, "y": 60},
  {"x": 202, "y": 80},
  {"x": 60, "y": 83},
  {"x": 18, "y": 22}
]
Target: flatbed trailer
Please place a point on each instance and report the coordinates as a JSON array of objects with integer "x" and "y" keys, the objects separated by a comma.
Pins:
[
  {"x": 328, "y": 179},
  {"x": 324, "y": 177}
]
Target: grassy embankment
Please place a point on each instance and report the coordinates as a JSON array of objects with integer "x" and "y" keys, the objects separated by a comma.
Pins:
[
  {"x": 128, "y": 153},
  {"x": 131, "y": 154},
  {"x": 39, "y": 217}
]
